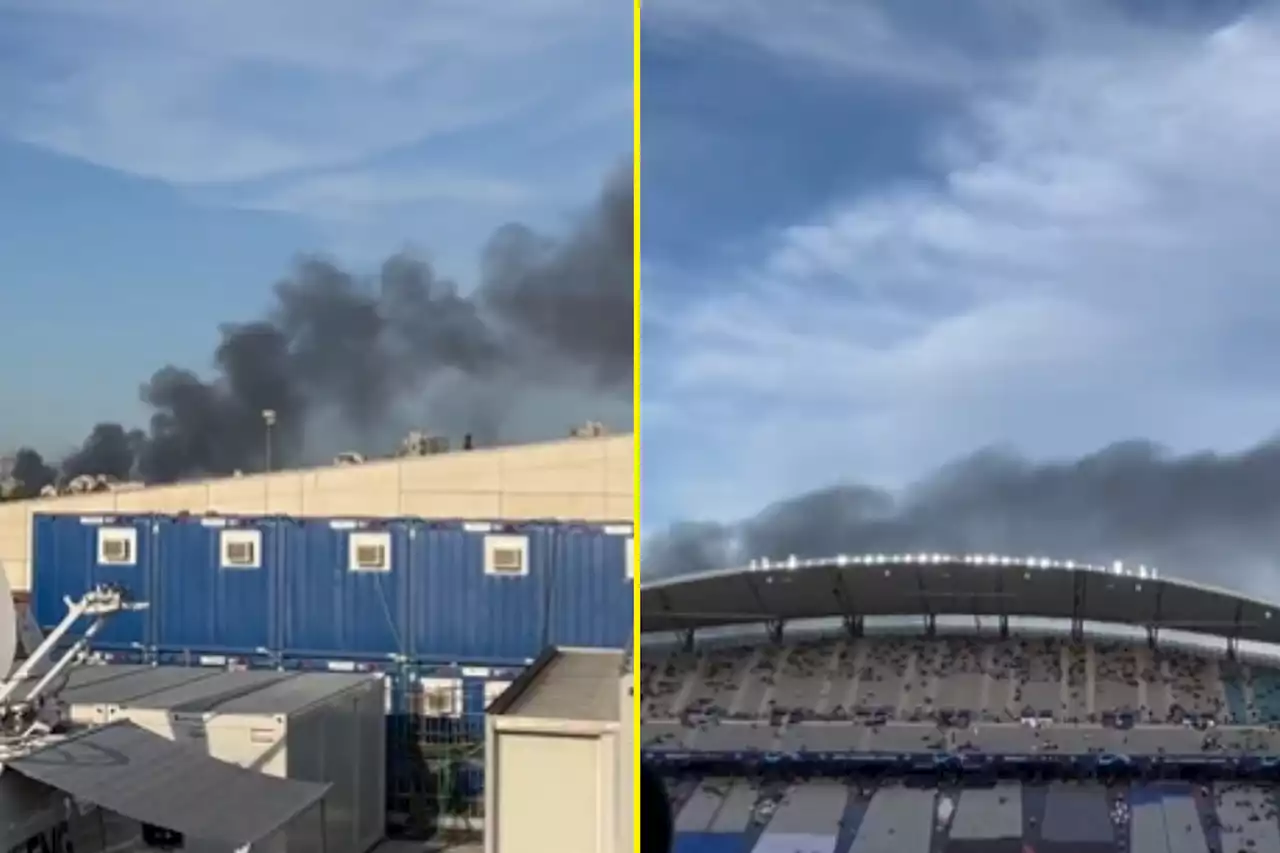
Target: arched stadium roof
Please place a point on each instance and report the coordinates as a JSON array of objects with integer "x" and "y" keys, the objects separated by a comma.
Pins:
[{"x": 950, "y": 585}]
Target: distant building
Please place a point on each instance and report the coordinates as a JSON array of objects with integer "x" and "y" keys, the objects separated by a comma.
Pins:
[
  {"x": 590, "y": 429},
  {"x": 419, "y": 443}
]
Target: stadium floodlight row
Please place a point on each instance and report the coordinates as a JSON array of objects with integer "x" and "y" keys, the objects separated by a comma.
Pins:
[{"x": 932, "y": 585}]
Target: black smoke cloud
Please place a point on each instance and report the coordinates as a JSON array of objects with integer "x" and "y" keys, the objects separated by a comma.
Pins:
[
  {"x": 340, "y": 348},
  {"x": 1209, "y": 517}
]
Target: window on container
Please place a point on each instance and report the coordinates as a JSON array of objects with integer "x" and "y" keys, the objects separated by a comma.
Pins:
[
  {"x": 117, "y": 546},
  {"x": 506, "y": 556},
  {"x": 441, "y": 697},
  {"x": 630, "y": 545},
  {"x": 370, "y": 552},
  {"x": 241, "y": 549}
]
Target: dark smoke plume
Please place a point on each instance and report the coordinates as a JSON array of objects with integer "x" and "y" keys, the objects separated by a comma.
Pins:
[
  {"x": 341, "y": 349},
  {"x": 1209, "y": 517}
]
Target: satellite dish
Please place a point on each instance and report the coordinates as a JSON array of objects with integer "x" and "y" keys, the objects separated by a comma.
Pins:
[{"x": 8, "y": 628}]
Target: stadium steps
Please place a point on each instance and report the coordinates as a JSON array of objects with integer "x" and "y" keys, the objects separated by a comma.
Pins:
[
  {"x": 1236, "y": 692},
  {"x": 1266, "y": 694}
]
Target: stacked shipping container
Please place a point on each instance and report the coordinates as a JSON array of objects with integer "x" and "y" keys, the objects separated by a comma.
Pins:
[
  {"x": 450, "y": 611},
  {"x": 392, "y": 591}
]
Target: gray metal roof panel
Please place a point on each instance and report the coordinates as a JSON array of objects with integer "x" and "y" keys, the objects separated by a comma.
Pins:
[
  {"x": 207, "y": 693},
  {"x": 134, "y": 685},
  {"x": 295, "y": 694},
  {"x": 148, "y": 778},
  {"x": 574, "y": 684}
]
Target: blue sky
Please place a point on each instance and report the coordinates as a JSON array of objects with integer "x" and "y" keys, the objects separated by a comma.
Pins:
[
  {"x": 881, "y": 235},
  {"x": 162, "y": 163}
]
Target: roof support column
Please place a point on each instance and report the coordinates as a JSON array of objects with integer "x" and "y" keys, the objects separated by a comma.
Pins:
[
  {"x": 1153, "y": 630},
  {"x": 926, "y": 605},
  {"x": 1004, "y": 615},
  {"x": 1077, "y": 606},
  {"x": 842, "y": 596},
  {"x": 1233, "y": 641}
]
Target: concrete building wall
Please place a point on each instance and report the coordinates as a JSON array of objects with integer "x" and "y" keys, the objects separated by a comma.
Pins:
[{"x": 587, "y": 479}]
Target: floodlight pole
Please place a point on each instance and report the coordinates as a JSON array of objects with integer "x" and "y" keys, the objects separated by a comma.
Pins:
[{"x": 269, "y": 421}]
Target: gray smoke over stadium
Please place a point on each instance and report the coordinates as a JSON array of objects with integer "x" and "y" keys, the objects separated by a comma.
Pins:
[
  {"x": 1208, "y": 517},
  {"x": 348, "y": 350}
]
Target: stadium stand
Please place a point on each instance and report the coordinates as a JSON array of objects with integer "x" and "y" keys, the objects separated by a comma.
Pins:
[{"x": 1068, "y": 738}]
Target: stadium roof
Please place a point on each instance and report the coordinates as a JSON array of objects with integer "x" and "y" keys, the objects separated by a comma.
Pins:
[{"x": 944, "y": 584}]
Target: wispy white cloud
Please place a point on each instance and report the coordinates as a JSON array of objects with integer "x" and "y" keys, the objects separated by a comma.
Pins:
[
  {"x": 346, "y": 195},
  {"x": 844, "y": 37},
  {"x": 935, "y": 46},
  {"x": 1093, "y": 258},
  {"x": 208, "y": 92}
]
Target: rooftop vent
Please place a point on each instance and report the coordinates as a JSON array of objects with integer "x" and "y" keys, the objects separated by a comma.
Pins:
[
  {"x": 590, "y": 429},
  {"x": 419, "y": 443}
]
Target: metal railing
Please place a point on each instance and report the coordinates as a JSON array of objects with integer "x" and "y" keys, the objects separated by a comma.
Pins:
[{"x": 435, "y": 767}]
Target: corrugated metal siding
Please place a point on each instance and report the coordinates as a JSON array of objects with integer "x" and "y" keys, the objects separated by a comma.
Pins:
[
  {"x": 66, "y": 556},
  {"x": 460, "y": 613},
  {"x": 591, "y": 595},
  {"x": 434, "y": 603},
  {"x": 202, "y": 606},
  {"x": 327, "y": 610},
  {"x": 574, "y": 592}
]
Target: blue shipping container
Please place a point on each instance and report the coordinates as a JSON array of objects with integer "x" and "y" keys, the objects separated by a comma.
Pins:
[
  {"x": 499, "y": 593},
  {"x": 430, "y": 592},
  {"x": 71, "y": 554},
  {"x": 591, "y": 587},
  {"x": 465, "y": 607},
  {"x": 345, "y": 588},
  {"x": 217, "y": 580}
]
